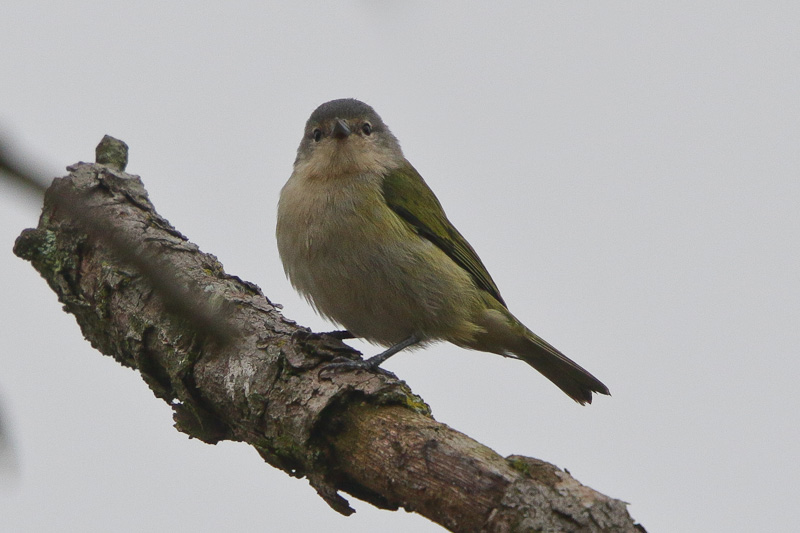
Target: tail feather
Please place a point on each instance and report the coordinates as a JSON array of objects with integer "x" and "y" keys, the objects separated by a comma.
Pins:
[
  {"x": 565, "y": 373},
  {"x": 502, "y": 333}
]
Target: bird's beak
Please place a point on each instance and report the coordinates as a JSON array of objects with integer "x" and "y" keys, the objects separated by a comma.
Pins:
[{"x": 340, "y": 129}]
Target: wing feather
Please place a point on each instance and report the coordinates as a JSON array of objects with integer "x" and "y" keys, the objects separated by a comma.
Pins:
[{"x": 407, "y": 194}]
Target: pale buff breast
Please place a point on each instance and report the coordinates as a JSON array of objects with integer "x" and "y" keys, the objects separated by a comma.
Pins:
[{"x": 381, "y": 284}]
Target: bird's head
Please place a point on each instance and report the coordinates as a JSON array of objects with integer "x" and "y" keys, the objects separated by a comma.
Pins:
[{"x": 346, "y": 137}]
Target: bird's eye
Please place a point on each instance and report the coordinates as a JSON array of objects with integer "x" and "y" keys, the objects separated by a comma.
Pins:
[
  {"x": 366, "y": 128},
  {"x": 317, "y": 134}
]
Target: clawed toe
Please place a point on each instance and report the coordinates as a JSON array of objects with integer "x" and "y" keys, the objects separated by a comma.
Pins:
[
  {"x": 339, "y": 364},
  {"x": 341, "y": 334},
  {"x": 373, "y": 363},
  {"x": 343, "y": 364}
]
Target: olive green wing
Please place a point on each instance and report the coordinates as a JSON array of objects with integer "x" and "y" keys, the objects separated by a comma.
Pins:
[{"x": 407, "y": 194}]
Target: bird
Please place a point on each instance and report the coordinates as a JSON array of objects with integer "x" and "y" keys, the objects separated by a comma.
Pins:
[{"x": 364, "y": 239}]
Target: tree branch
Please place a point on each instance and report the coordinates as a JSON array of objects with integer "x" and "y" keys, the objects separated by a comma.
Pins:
[{"x": 363, "y": 433}]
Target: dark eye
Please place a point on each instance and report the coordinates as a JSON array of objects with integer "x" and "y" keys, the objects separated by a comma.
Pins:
[
  {"x": 366, "y": 128},
  {"x": 317, "y": 134}
]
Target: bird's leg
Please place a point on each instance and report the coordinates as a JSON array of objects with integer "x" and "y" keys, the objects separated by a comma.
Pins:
[
  {"x": 373, "y": 362},
  {"x": 376, "y": 360}
]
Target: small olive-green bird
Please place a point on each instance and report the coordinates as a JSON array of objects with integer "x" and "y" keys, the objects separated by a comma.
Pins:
[{"x": 365, "y": 240}]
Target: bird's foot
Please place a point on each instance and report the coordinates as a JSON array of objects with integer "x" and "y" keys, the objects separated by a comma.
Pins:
[
  {"x": 345, "y": 363},
  {"x": 373, "y": 363},
  {"x": 340, "y": 334}
]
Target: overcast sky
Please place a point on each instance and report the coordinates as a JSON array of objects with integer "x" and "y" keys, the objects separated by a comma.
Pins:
[{"x": 628, "y": 171}]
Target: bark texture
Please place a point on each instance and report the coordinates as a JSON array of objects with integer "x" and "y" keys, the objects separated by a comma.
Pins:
[{"x": 260, "y": 381}]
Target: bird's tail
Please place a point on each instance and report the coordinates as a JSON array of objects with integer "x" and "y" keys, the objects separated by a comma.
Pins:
[
  {"x": 504, "y": 334},
  {"x": 565, "y": 373}
]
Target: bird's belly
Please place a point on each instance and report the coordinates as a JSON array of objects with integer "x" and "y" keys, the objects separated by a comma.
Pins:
[{"x": 384, "y": 286}]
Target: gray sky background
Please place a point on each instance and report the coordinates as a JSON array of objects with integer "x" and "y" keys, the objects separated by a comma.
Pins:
[{"x": 628, "y": 171}]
